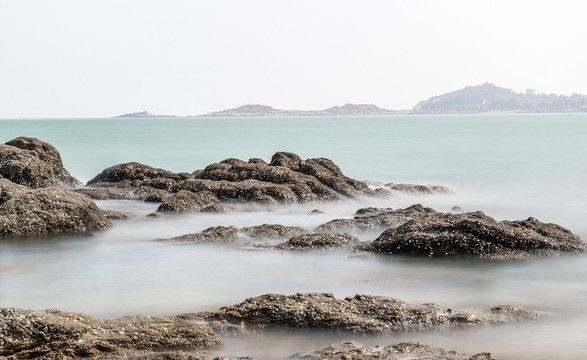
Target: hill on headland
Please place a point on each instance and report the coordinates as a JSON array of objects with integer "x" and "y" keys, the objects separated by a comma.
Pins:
[{"x": 488, "y": 98}]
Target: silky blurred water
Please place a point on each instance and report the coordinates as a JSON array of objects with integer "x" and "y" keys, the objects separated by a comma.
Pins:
[{"x": 509, "y": 166}]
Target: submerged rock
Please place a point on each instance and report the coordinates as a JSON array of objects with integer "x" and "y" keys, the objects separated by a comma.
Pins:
[
  {"x": 216, "y": 234},
  {"x": 55, "y": 334},
  {"x": 324, "y": 241},
  {"x": 374, "y": 220},
  {"x": 272, "y": 231},
  {"x": 474, "y": 233},
  {"x": 352, "y": 350},
  {"x": 419, "y": 189},
  {"x": 361, "y": 314},
  {"x": 26, "y": 211},
  {"x": 187, "y": 201},
  {"x": 34, "y": 163}
]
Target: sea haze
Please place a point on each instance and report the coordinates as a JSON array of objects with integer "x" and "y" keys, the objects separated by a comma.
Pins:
[{"x": 509, "y": 166}]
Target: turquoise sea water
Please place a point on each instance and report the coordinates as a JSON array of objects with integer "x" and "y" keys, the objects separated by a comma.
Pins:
[{"x": 509, "y": 166}]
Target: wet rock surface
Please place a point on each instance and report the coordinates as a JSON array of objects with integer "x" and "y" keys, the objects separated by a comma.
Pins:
[
  {"x": 359, "y": 314},
  {"x": 322, "y": 241},
  {"x": 187, "y": 201},
  {"x": 34, "y": 163},
  {"x": 55, "y": 334},
  {"x": 272, "y": 231},
  {"x": 476, "y": 234},
  {"x": 352, "y": 350},
  {"x": 372, "y": 220},
  {"x": 26, "y": 211}
]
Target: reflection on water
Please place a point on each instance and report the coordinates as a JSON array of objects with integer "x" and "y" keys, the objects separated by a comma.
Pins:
[{"x": 122, "y": 271}]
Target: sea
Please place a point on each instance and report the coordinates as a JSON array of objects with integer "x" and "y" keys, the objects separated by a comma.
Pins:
[{"x": 510, "y": 166}]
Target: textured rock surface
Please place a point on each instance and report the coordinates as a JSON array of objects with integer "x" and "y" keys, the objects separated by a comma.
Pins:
[
  {"x": 134, "y": 174},
  {"x": 34, "y": 163},
  {"x": 352, "y": 350},
  {"x": 55, "y": 334},
  {"x": 324, "y": 241},
  {"x": 217, "y": 234},
  {"x": 187, "y": 201},
  {"x": 374, "y": 220},
  {"x": 361, "y": 313},
  {"x": 26, "y": 211},
  {"x": 272, "y": 231},
  {"x": 439, "y": 234}
]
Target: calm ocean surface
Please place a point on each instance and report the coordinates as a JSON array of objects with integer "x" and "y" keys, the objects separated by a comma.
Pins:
[{"x": 509, "y": 166}]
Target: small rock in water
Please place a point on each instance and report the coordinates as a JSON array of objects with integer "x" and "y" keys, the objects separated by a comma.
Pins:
[{"x": 323, "y": 241}]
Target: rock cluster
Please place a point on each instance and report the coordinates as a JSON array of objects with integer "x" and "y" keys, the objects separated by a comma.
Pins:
[
  {"x": 26, "y": 211},
  {"x": 415, "y": 189},
  {"x": 34, "y": 163},
  {"x": 359, "y": 314},
  {"x": 286, "y": 179},
  {"x": 55, "y": 334},
  {"x": 352, "y": 350},
  {"x": 474, "y": 233},
  {"x": 373, "y": 220}
]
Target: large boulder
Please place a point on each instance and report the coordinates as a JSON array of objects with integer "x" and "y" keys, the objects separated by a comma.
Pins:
[
  {"x": 134, "y": 174},
  {"x": 352, "y": 350},
  {"x": 55, "y": 334},
  {"x": 359, "y": 314},
  {"x": 322, "y": 241},
  {"x": 26, "y": 211},
  {"x": 34, "y": 163},
  {"x": 476, "y": 234},
  {"x": 371, "y": 220}
]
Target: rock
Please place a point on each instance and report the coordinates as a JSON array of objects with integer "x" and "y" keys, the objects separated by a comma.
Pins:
[
  {"x": 359, "y": 314},
  {"x": 26, "y": 211},
  {"x": 476, "y": 234},
  {"x": 352, "y": 350},
  {"x": 107, "y": 193},
  {"x": 134, "y": 174},
  {"x": 242, "y": 191},
  {"x": 217, "y": 234},
  {"x": 216, "y": 208},
  {"x": 322, "y": 241},
  {"x": 187, "y": 201},
  {"x": 34, "y": 163},
  {"x": 116, "y": 215},
  {"x": 316, "y": 212},
  {"x": 272, "y": 231},
  {"x": 55, "y": 334},
  {"x": 456, "y": 209},
  {"x": 154, "y": 215},
  {"x": 372, "y": 220},
  {"x": 419, "y": 189}
]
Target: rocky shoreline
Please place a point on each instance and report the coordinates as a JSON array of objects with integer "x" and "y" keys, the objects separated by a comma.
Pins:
[{"x": 38, "y": 196}]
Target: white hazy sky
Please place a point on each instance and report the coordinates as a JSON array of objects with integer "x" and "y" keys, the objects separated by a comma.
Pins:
[{"x": 93, "y": 58}]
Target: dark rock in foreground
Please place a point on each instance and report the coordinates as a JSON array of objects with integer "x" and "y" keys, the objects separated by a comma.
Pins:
[
  {"x": 361, "y": 314},
  {"x": 352, "y": 350},
  {"x": 374, "y": 220},
  {"x": 272, "y": 231},
  {"x": 55, "y": 334},
  {"x": 26, "y": 211},
  {"x": 34, "y": 163},
  {"x": 439, "y": 234},
  {"x": 323, "y": 241}
]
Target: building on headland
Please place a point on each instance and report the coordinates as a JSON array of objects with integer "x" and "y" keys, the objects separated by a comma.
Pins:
[{"x": 530, "y": 92}]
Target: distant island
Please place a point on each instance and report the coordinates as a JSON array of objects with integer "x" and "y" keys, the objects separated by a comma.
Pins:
[
  {"x": 488, "y": 98},
  {"x": 264, "y": 110},
  {"x": 480, "y": 99},
  {"x": 142, "y": 114}
]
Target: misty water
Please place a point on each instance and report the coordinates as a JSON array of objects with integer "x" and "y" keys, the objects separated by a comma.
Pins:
[{"x": 509, "y": 166}]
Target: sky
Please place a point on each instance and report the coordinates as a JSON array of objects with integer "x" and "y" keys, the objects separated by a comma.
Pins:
[{"x": 101, "y": 58}]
